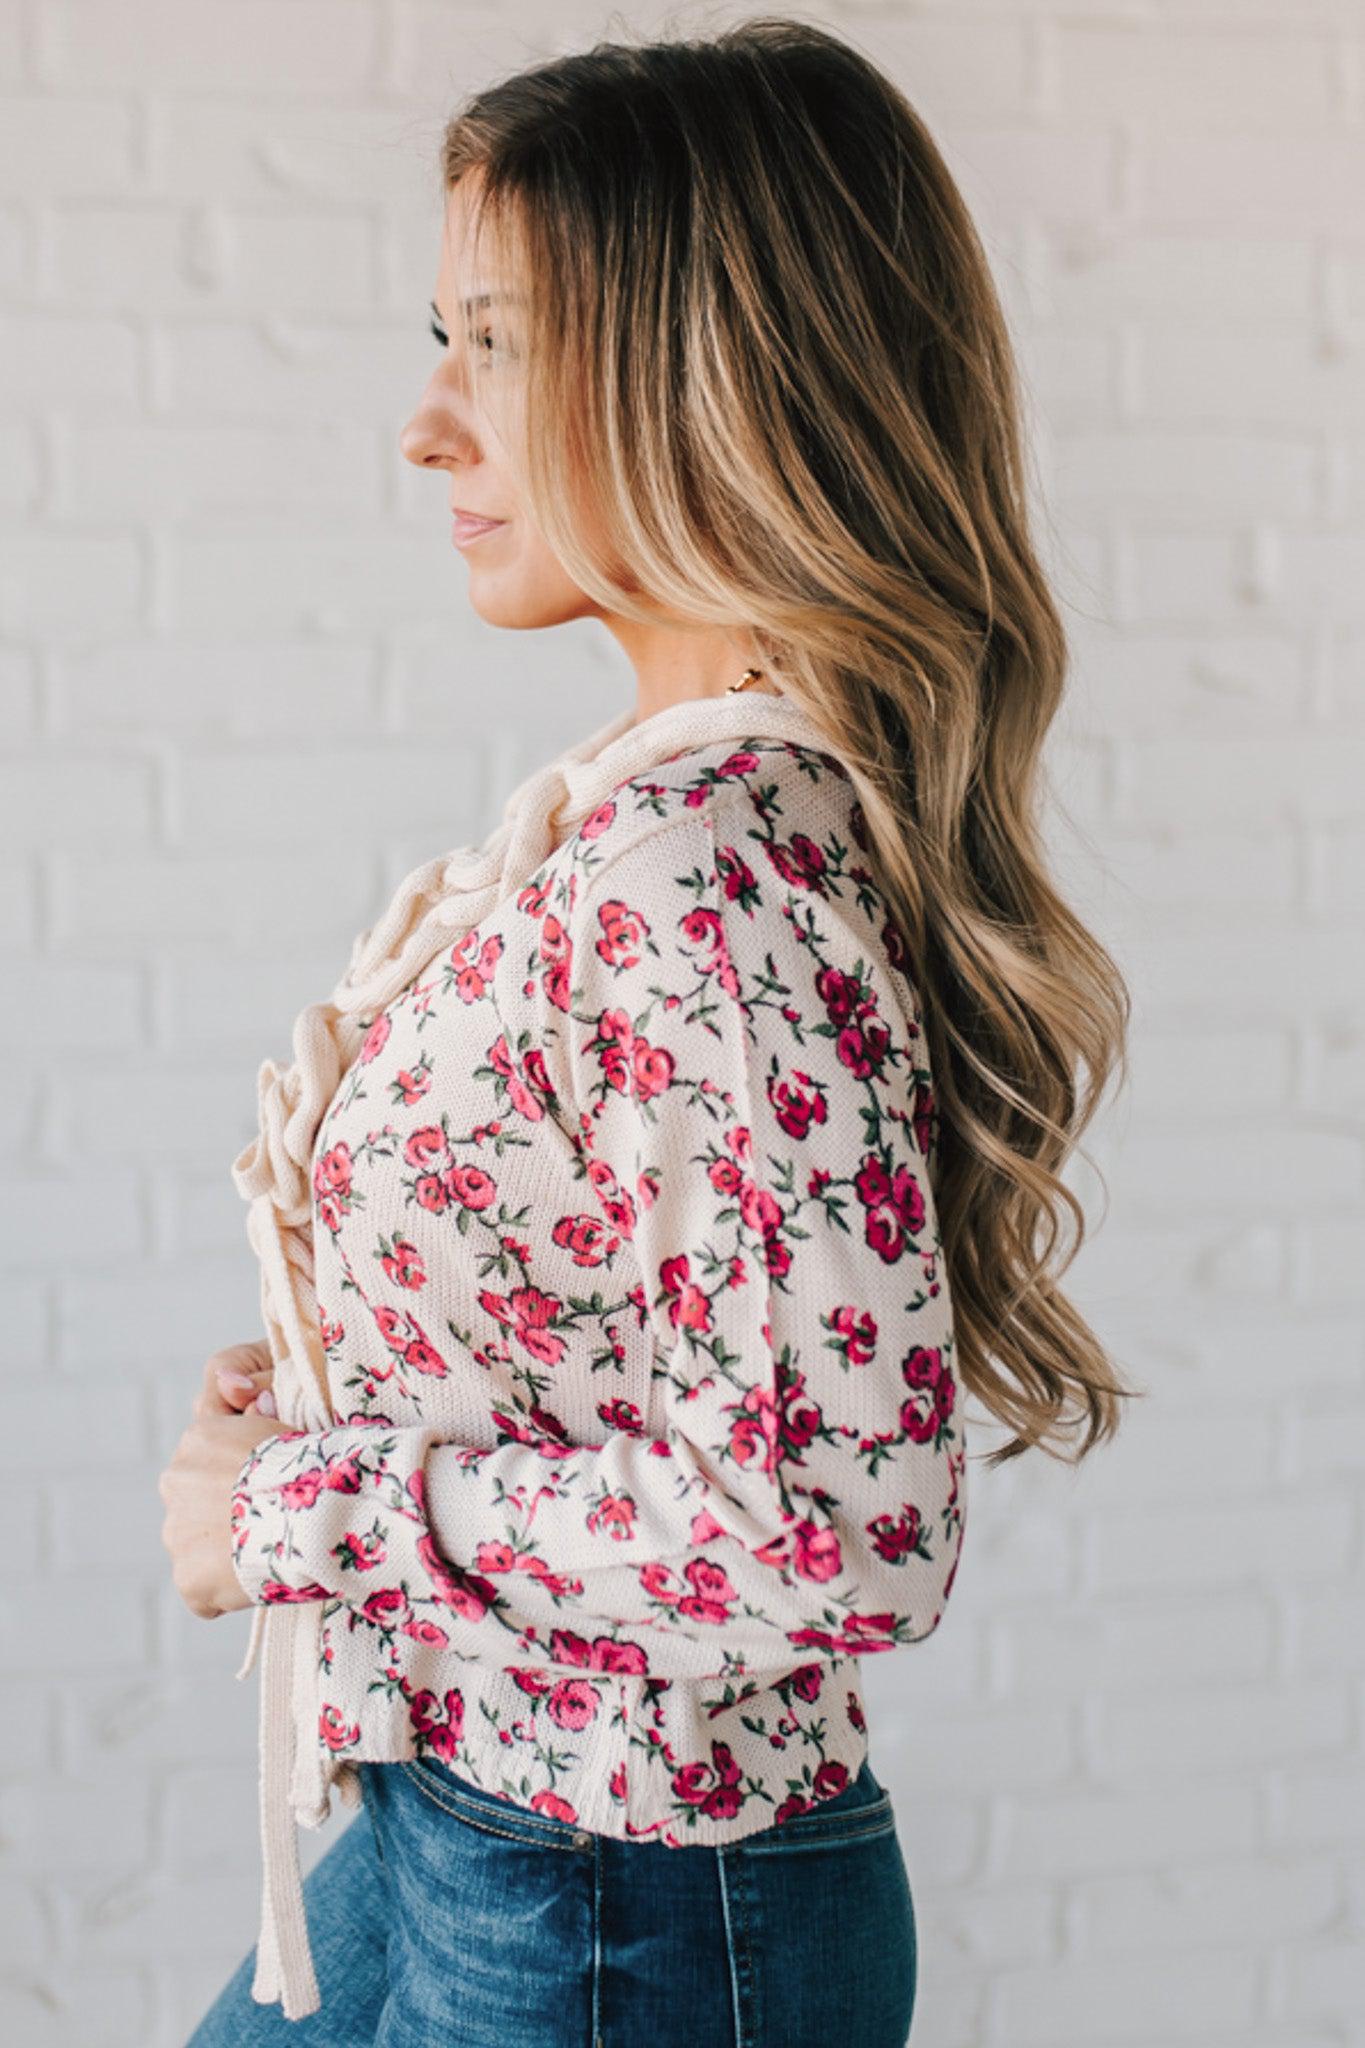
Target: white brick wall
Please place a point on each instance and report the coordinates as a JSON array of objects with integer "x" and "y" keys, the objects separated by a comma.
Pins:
[{"x": 1128, "y": 1768}]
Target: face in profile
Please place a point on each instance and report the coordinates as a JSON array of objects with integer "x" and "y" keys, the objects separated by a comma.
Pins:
[{"x": 465, "y": 424}]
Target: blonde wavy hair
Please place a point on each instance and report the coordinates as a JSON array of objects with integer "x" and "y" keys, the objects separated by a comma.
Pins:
[{"x": 764, "y": 349}]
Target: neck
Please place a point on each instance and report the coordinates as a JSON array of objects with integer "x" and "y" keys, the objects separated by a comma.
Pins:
[{"x": 674, "y": 664}]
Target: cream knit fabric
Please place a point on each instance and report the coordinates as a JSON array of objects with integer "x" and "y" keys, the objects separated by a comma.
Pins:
[{"x": 433, "y": 905}]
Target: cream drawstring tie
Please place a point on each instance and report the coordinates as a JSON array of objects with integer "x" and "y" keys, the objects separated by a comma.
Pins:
[{"x": 432, "y": 909}]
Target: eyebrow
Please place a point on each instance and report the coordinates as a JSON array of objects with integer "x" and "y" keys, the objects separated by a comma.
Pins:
[{"x": 478, "y": 299}]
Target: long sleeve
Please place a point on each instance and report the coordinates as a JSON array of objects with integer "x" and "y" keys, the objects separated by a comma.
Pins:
[{"x": 742, "y": 1071}]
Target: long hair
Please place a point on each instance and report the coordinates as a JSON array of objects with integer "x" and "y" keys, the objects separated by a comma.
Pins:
[{"x": 763, "y": 348}]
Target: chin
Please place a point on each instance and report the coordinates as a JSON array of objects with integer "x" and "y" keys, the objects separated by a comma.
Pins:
[{"x": 520, "y": 611}]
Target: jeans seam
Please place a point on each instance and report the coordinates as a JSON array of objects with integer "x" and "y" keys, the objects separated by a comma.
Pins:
[
  {"x": 737, "y": 1942},
  {"x": 460, "y": 1809},
  {"x": 811, "y": 1830}
]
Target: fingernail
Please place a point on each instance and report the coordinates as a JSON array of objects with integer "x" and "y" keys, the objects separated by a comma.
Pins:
[
  {"x": 265, "y": 1402},
  {"x": 234, "y": 1379}
]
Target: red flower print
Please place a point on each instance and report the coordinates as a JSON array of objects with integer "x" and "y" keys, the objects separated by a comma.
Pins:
[
  {"x": 531, "y": 900},
  {"x": 922, "y": 1118},
  {"x": 894, "y": 1204},
  {"x": 556, "y": 950},
  {"x": 604, "y": 1653},
  {"x": 744, "y": 761},
  {"x": 711, "y": 1595},
  {"x": 376, "y": 1038},
  {"x": 898, "y": 1537},
  {"x": 555, "y": 1806},
  {"x": 442, "y": 1734},
  {"x": 615, "y": 1518},
  {"x": 816, "y": 1553},
  {"x": 573, "y": 1704},
  {"x": 841, "y": 995},
  {"x": 621, "y": 1415},
  {"x": 526, "y": 1101},
  {"x": 806, "y": 1682},
  {"x": 469, "y": 1597},
  {"x": 332, "y": 1185},
  {"x": 800, "y": 862},
  {"x": 431, "y": 1193},
  {"x": 402, "y": 1262},
  {"x": 276, "y": 1594},
  {"x": 858, "y": 1329},
  {"x": 713, "y": 1789},
  {"x": 336, "y": 1732},
  {"x": 738, "y": 882},
  {"x": 425, "y": 1146},
  {"x": 688, "y": 1306},
  {"x": 599, "y": 822},
  {"x": 797, "y": 1104},
  {"x": 386, "y": 1606},
  {"x": 472, "y": 976},
  {"x": 754, "y": 1431},
  {"x": 532, "y": 1430},
  {"x": 862, "y": 1046},
  {"x": 623, "y": 934},
  {"x": 470, "y": 1186},
  {"x": 528, "y": 1314},
  {"x": 361, "y": 1553},
  {"x": 759, "y": 1210},
  {"x": 411, "y": 1084},
  {"x": 585, "y": 1239},
  {"x": 831, "y": 1779},
  {"x": 931, "y": 1405}
]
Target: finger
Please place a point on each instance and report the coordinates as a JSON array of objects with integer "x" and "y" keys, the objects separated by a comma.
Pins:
[
  {"x": 227, "y": 1396},
  {"x": 249, "y": 1361}
]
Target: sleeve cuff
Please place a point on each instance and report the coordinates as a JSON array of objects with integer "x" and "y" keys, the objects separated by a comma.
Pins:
[{"x": 260, "y": 1525}]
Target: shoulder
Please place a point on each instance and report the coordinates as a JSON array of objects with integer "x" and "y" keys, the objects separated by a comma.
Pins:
[
  {"x": 727, "y": 790},
  {"x": 732, "y": 853}
]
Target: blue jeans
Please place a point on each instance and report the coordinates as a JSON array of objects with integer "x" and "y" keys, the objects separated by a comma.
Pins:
[{"x": 443, "y": 1918}]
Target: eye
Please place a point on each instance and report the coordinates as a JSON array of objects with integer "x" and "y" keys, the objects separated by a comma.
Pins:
[{"x": 440, "y": 336}]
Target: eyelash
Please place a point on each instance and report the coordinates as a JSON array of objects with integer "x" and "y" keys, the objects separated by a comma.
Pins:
[{"x": 444, "y": 339}]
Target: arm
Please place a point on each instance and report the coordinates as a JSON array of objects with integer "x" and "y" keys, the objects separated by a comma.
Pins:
[{"x": 754, "y": 1112}]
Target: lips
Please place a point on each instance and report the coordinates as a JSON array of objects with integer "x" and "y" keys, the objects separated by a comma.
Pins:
[{"x": 467, "y": 526}]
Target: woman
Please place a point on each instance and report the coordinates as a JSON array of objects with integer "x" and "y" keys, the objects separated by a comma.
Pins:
[{"x": 664, "y": 1171}]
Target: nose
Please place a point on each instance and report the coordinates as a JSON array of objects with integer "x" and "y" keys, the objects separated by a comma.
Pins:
[
  {"x": 436, "y": 432},
  {"x": 428, "y": 437}
]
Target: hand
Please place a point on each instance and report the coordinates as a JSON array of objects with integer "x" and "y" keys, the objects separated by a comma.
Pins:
[{"x": 197, "y": 1484}]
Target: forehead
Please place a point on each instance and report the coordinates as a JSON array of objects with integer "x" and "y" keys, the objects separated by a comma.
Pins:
[{"x": 472, "y": 257}]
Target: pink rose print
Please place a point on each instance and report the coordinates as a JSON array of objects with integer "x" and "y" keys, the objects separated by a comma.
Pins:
[
  {"x": 440, "y": 1724},
  {"x": 402, "y": 1263},
  {"x": 894, "y": 1204},
  {"x": 858, "y": 1330},
  {"x": 585, "y": 1239},
  {"x": 376, "y": 1038},
  {"x": 556, "y": 952},
  {"x": 528, "y": 1314},
  {"x": 623, "y": 934},
  {"x": 474, "y": 969},
  {"x": 336, "y": 1731},
  {"x": 572, "y": 1704}
]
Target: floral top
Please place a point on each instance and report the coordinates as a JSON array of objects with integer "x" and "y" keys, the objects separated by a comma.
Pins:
[{"x": 631, "y": 1293}]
